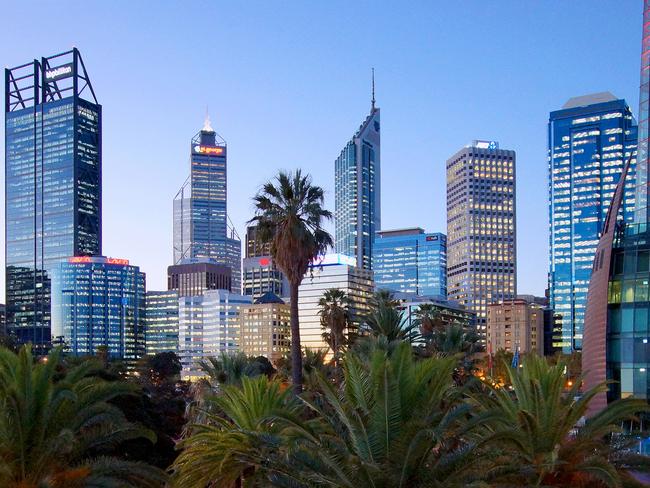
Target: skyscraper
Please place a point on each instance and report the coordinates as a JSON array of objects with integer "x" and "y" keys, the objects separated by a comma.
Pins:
[
  {"x": 332, "y": 271},
  {"x": 53, "y": 164},
  {"x": 201, "y": 226},
  {"x": 357, "y": 176},
  {"x": 261, "y": 275},
  {"x": 265, "y": 328},
  {"x": 411, "y": 261},
  {"x": 481, "y": 227},
  {"x": 589, "y": 141},
  {"x": 195, "y": 276},
  {"x": 98, "y": 301}
]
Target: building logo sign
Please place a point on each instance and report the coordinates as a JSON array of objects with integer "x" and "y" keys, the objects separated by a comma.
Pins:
[
  {"x": 216, "y": 151},
  {"x": 487, "y": 144},
  {"x": 63, "y": 71},
  {"x": 432, "y": 238},
  {"x": 99, "y": 260}
]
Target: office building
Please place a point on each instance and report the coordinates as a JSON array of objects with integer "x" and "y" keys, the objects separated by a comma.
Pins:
[
  {"x": 516, "y": 325},
  {"x": 208, "y": 325},
  {"x": 481, "y": 227},
  {"x": 265, "y": 328},
  {"x": 201, "y": 225},
  {"x": 260, "y": 274},
  {"x": 98, "y": 302},
  {"x": 194, "y": 276},
  {"x": 53, "y": 168},
  {"x": 410, "y": 260},
  {"x": 161, "y": 322},
  {"x": 616, "y": 331},
  {"x": 357, "y": 176},
  {"x": 331, "y": 271},
  {"x": 590, "y": 139}
]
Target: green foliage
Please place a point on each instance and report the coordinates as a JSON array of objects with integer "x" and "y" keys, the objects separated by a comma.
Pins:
[
  {"x": 542, "y": 439},
  {"x": 57, "y": 425},
  {"x": 338, "y": 330}
]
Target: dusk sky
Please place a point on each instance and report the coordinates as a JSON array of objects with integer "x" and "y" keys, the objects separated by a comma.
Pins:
[{"x": 288, "y": 83}]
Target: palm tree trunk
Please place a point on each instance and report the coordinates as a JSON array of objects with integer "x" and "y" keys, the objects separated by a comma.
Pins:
[{"x": 296, "y": 353}]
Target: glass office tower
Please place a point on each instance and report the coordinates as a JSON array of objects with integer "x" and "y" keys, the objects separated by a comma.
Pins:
[
  {"x": 201, "y": 227},
  {"x": 208, "y": 325},
  {"x": 161, "y": 322},
  {"x": 53, "y": 169},
  {"x": 332, "y": 271},
  {"x": 590, "y": 139},
  {"x": 98, "y": 301},
  {"x": 410, "y": 260},
  {"x": 481, "y": 227},
  {"x": 357, "y": 214}
]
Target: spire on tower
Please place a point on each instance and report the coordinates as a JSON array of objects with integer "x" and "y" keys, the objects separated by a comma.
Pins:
[
  {"x": 207, "y": 126},
  {"x": 373, "y": 88}
]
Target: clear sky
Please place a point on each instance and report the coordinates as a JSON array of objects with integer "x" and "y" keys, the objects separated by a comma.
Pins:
[{"x": 287, "y": 84}]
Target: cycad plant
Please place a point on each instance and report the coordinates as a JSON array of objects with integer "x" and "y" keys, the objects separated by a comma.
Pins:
[
  {"x": 57, "y": 425},
  {"x": 242, "y": 443},
  {"x": 543, "y": 439}
]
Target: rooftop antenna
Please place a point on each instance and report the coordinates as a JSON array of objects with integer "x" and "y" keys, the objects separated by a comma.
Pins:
[
  {"x": 207, "y": 126},
  {"x": 373, "y": 89}
]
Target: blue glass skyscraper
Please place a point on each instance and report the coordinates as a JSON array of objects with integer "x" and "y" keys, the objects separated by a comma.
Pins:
[
  {"x": 98, "y": 302},
  {"x": 590, "y": 139},
  {"x": 410, "y": 260},
  {"x": 201, "y": 227},
  {"x": 358, "y": 192},
  {"x": 53, "y": 169}
]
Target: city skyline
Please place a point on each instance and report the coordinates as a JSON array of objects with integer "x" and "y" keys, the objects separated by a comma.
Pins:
[{"x": 255, "y": 158}]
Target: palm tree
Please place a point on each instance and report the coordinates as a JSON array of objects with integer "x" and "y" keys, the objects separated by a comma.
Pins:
[
  {"x": 542, "y": 439},
  {"x": 386, "y": 322},
  {"x": 290, "y": 215},
  {"x": 58, "y": 425},
  {"x": 335, "y": 320},
  {"x": 428, "y": 318}
]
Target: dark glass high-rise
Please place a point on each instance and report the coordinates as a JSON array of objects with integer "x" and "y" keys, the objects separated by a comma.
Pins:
[{"x": 53, "y": 168}]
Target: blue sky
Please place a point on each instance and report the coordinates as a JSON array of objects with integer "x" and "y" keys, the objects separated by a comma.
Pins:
[{"x": 287, "y": 84}]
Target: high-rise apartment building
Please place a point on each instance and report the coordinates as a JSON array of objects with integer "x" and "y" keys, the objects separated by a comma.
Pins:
[
  {"x": 590, "y": 139},
  {"x": 208, "y": 325},
  {"x": 481, "y": 227},
  {"x": 53, "y": 168},
  {"x": 357, "y": 189},
  {"x": 516, "y": 325},
  {"x": 411, "y": 261},
  {"x": 161, "y": 321},
  {"x": 98, "y": 302},
  {"x": 332, "y": 271},
  {"x": 265, "y": 328},
  {"x": 260, "y": 274},
  {"x": 201, "y": 226}
]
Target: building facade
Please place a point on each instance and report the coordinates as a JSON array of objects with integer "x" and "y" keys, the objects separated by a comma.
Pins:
[
  {"x": 194, "y": 276},
  {"x": 98, "y": 302},
  {"x": 161, "y": 322},
  {"x": 481, "y": 227},
  {"x": 260, "y": 274},
  {"x": 265, "y": 328},
  {"x": 201, "y": 226},
  {"x": 516, "y": 325},
  {"x": 449, "y": 312},
  {"x": 53, "y": 168},
  {"x": 332, "y": 271},
  {"x": 590, "y": 139},
  {"x": 357, "y": 186},
  {"x": 410, "y": 260},
  {"x": 208, "y": 325}
]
